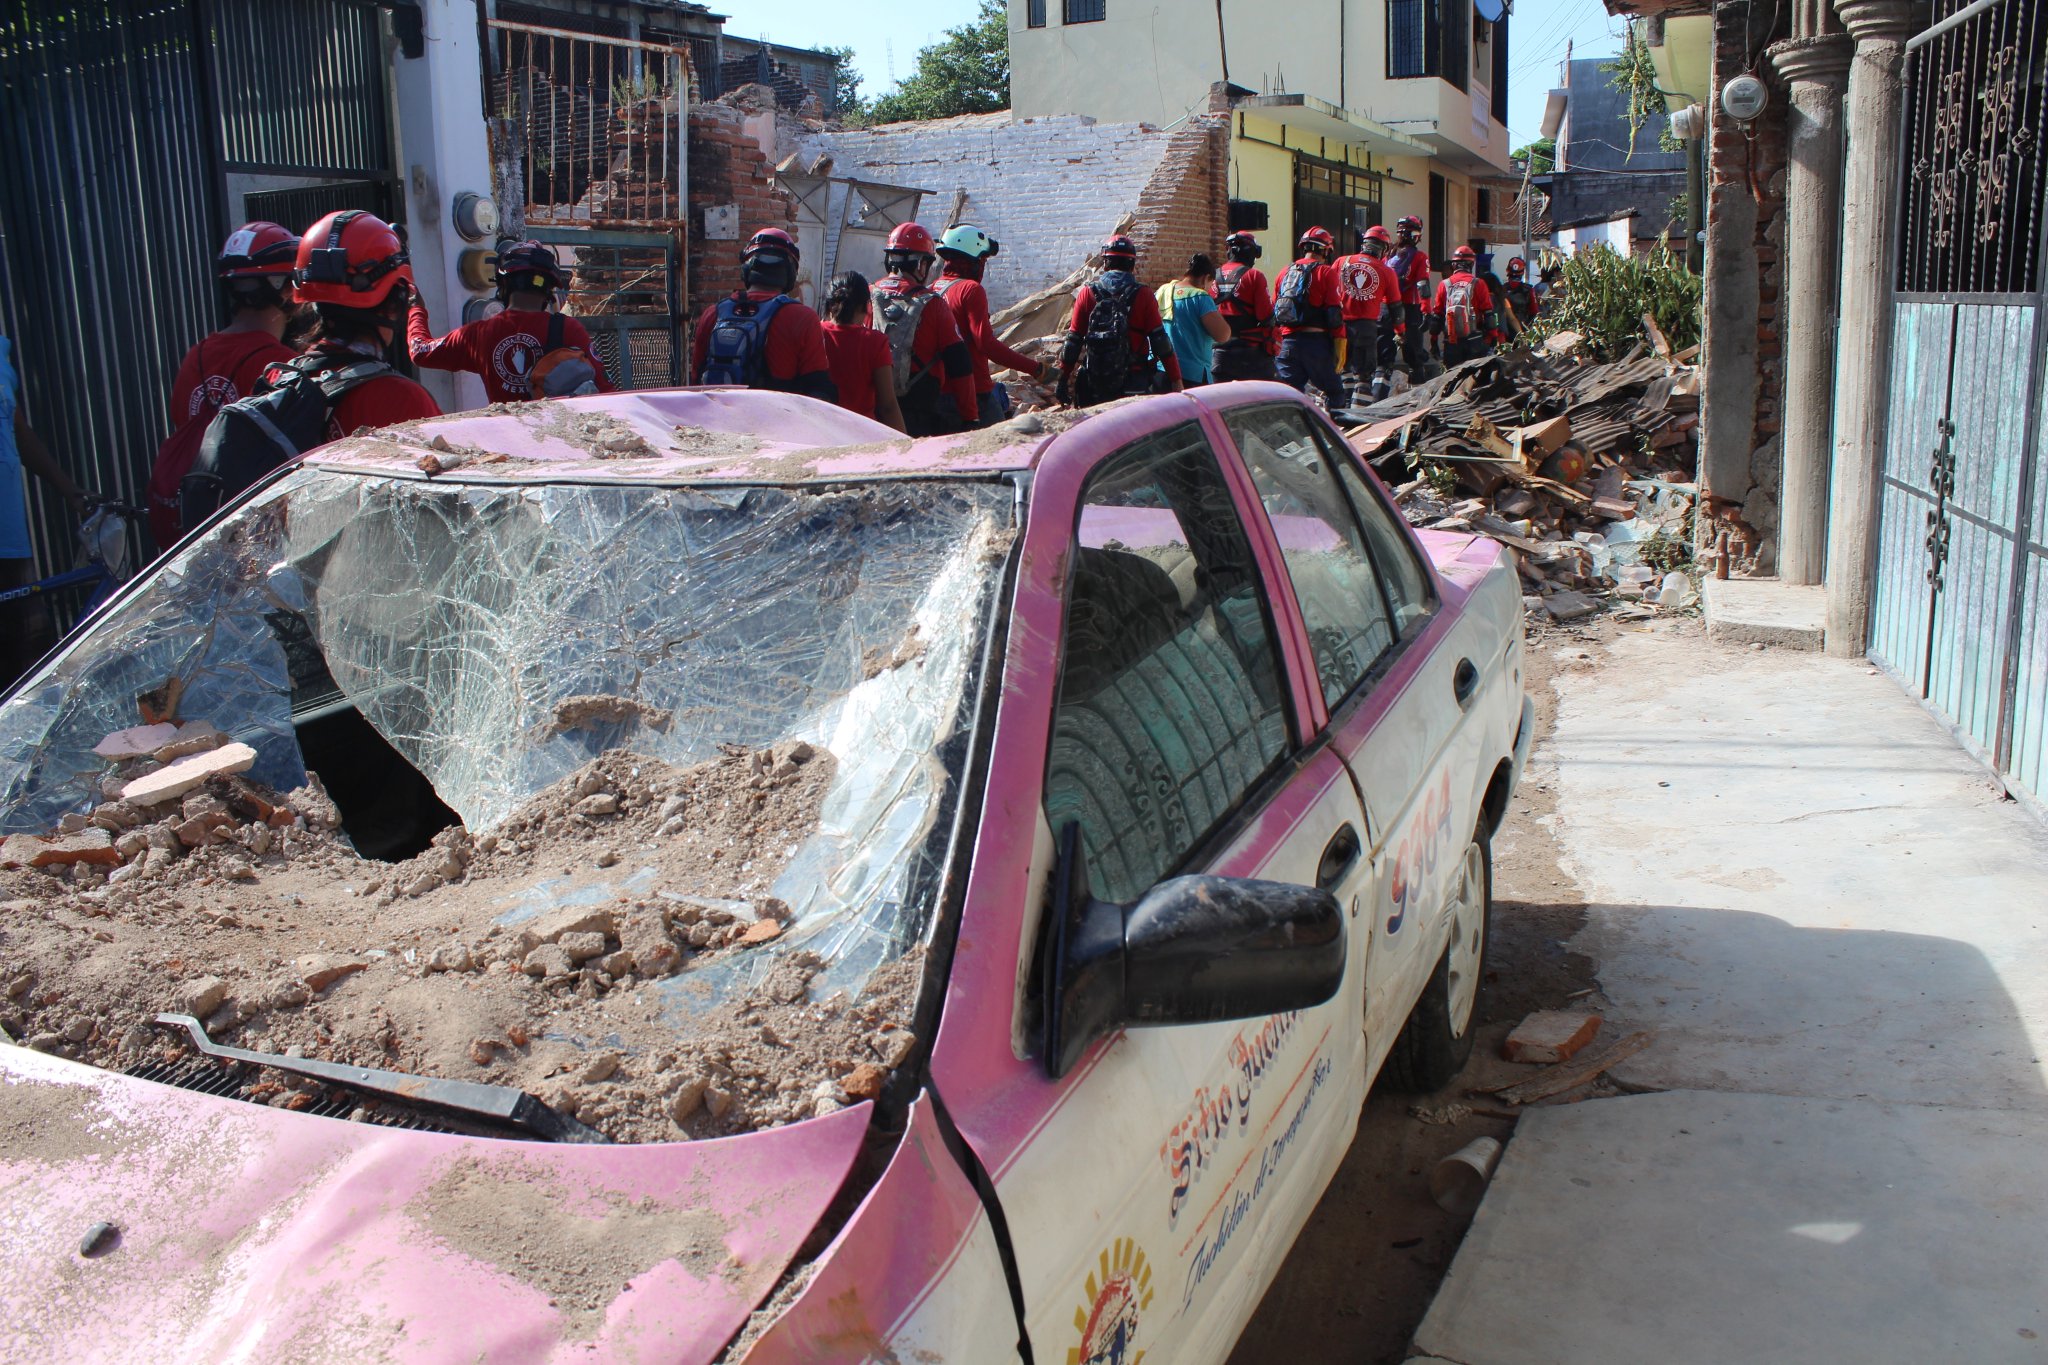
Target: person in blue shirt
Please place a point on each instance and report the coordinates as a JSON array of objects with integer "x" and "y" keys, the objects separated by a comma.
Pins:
[
  {"x": 1193, "y": 323},
  {"x": 26, "y": 628}
]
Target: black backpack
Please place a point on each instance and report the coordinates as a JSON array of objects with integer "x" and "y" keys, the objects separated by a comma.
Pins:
[
  {"x": 1106, "y": 360},
  {"x": 1290, "y": 301},
  {"x": 286, "y": 417}
]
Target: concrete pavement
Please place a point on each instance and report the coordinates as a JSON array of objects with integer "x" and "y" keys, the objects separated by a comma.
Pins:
[{"x": 1836, "y": 927}]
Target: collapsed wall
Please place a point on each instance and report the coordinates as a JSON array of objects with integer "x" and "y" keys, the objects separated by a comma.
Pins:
[{"x": 1049, "y": 189}]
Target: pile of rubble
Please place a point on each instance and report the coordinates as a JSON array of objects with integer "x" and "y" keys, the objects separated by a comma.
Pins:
[
  {"x": 1586, "y": 470},
  {"x": 612, "y": 947}
]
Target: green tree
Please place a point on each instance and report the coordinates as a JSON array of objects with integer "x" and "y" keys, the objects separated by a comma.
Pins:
[
  {"x": 1541, "y": 154},
  {"x": 965, "y": 72},
  {"x": 848, "y": 106}
]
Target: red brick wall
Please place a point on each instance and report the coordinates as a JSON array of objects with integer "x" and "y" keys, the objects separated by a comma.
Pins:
[
  {"x": 727, "y": 167},
  {"x": 1185, "y": 206}
]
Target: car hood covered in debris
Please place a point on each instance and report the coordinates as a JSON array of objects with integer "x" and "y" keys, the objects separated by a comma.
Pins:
[{"x": 240, "y": 1232}]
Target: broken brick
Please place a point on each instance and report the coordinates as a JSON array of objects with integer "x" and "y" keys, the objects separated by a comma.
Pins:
[
  {"x": 760, "y": 932},
  {"x": 90, "y": 846},
  {"x": 175, "y": 779},
  {"x": 1550, "y": 1036},
  {"x": 321, "y": 970},
  {"x": 137, "y": 741}
]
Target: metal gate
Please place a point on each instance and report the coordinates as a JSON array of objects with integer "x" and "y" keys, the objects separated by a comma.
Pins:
[
  {"x": 626, "y": 290},
  {"x": 1960, "y": 612},
  {"x": 601, "y": 125},
  {"x": 131, "y": 131}
]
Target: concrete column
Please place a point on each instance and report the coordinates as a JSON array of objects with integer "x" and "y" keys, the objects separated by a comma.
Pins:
[
  {"x": 1816, "y": 68},
  {"x": 1863, "y": 359}
]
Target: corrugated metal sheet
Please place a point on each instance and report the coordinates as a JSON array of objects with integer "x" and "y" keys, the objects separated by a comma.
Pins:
[
  {"x": 2028, "y": 763},
  {"x": 1922, "y": 337},
  {"x": 1993, "y": 366},
  {"x": 301, "y": 87}
]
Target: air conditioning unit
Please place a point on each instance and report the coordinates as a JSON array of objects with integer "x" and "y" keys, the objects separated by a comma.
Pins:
[{"x": 1249, "y": 215}]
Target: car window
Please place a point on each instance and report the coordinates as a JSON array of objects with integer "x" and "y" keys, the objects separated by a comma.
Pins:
[
  {"x": 1170, "y": 704},
  {"x": 1402, "y": 571},
  {"x": 1335, "y": 583}
]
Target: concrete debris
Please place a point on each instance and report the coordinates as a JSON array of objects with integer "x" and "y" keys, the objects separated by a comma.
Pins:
[
  {"x": 1550, "y": 1036},
  {"x": 1585, "y": 470}
]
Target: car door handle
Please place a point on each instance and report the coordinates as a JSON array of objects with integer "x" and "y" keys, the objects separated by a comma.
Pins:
[
  {"x": 1339, "y": 855},
  {"x": 1465, "y": 682}
]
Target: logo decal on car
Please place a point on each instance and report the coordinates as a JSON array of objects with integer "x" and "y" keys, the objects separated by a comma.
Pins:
[
  {"x": 1118, "y": 1292},
  {"x": 1192, "y": 1146},
  {"x": 1421, "y": 848}
]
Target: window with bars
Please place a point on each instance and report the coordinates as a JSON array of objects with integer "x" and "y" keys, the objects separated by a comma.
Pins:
[
  {"x": 1034, "y": 14},
  {"x": 1408, "y": 45},
  {"x": 1083, "y": 11}
]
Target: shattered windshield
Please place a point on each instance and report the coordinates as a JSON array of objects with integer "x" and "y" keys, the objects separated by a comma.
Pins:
[{"x": 631, "y": 797}]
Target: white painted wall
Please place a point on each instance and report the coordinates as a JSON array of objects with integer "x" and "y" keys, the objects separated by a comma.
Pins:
[
  {"x": 444, "y": 149},
  {"x": 1618, "y": 234},
  {"x": 1048, "y": 189},
  {"x": 1156, "y": 61}
]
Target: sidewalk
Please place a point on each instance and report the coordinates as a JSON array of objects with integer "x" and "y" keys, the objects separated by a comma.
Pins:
[{"x": 1837, "y": 930}]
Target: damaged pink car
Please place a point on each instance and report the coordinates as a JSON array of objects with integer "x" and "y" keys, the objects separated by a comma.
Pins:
[{"x": 1079, "y": 816}]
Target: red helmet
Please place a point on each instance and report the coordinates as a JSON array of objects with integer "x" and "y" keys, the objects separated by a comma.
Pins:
[
  {"x": 1517, "y": 266},
  {"x": 774, "y": 238},
  {"x": 350, "y": 258},
  {"x": 1464, "y": 253},
  {"x": 1120, "y": 245},
  {"x": 255, "y": 249},
  {"x": 912, "y": 237},
  {"x": 1242, "y": 246},
  {"x": 1376, "y": 233},
  {"x": 1319, "y": 238},
  {"x": 1409, "y": 223},
  {"x": 771, "y": 260},
  {"x": 528, "y": 265}
]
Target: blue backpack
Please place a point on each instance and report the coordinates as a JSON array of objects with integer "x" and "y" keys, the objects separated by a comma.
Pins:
[{"x": 739, "y": 342}]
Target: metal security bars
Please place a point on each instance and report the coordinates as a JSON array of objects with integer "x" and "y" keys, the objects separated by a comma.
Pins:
[
  {"x": 626, "y": 290},
  {"x": 1976, "y": 110},
  {"x": 602, "y": 125},
  {"x": 300, "y": 87},
  {"x": 121, "y": 123}
]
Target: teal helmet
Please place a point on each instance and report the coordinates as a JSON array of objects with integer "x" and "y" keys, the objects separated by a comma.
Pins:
[{"x": 967, "y": 240}]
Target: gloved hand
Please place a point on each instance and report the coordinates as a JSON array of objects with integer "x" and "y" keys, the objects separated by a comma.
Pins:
[
  {"x": 1434, "y": 325},
  {"x": 1343, "y": 349},
  {"x": 1064, "y": 390}
]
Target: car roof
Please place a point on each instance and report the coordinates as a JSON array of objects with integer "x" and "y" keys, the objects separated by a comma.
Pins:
[{"x": 683, "y": 436}]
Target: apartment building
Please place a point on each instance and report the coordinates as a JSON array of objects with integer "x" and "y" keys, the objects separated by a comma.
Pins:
[{"x": 1344, "y": 113}]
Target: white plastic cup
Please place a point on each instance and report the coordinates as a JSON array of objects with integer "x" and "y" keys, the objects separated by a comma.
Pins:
[
  {"x": 1459, "y": 1180},
  {"x": 1671, "y": 593}
]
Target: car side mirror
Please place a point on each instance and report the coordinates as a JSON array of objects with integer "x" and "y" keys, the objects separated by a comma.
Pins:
[{"x": 1192, "y": 950}]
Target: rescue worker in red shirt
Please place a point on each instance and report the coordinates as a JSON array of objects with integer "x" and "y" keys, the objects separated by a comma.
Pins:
[
  {"x": 761, "y": 337},
  {"x": 1459, "y": 312},
  {"x": 1308, "y": 310},
  {"x": 1245, "y": 300},
  {"x": 965, "y": 251},
  {"x": 934, "y": 365},
  {"x": 1366, "y": 286},
  {"x": 1519, "y": 302},
  {"x": 1411, "y": 266},
  {"x": 354, "y": 270},
  {"x": 1116, "y": 339},
  {"x": 255, "y": 272},
  {"x": 863, "y": 369},
  {"x": 504, "y": 348}
]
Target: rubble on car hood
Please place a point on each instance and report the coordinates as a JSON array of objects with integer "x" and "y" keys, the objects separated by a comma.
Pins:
[
  {"x": 1586, "y": 470},
  {"x": 240, "y": 1231}
]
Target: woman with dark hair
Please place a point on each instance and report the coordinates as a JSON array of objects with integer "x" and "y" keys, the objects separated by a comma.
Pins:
[
  {"x": 1192, "y": 320},
  {"x": 861, "y": 362}
]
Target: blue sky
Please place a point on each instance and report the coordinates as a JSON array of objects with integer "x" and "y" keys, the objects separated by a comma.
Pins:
[{"x": 1537, "y": 36}]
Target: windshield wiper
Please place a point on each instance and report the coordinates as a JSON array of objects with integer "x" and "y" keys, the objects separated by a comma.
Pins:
[{"x": 497, "y": 1104}]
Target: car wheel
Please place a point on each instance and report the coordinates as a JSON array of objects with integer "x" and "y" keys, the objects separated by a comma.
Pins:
[{"x": 1436, "y": 1041}]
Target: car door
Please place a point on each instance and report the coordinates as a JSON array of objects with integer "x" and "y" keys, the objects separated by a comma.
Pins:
[
  {"x": 1169, "y": 1171},
  {"x": 1390, "y": 663}
]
